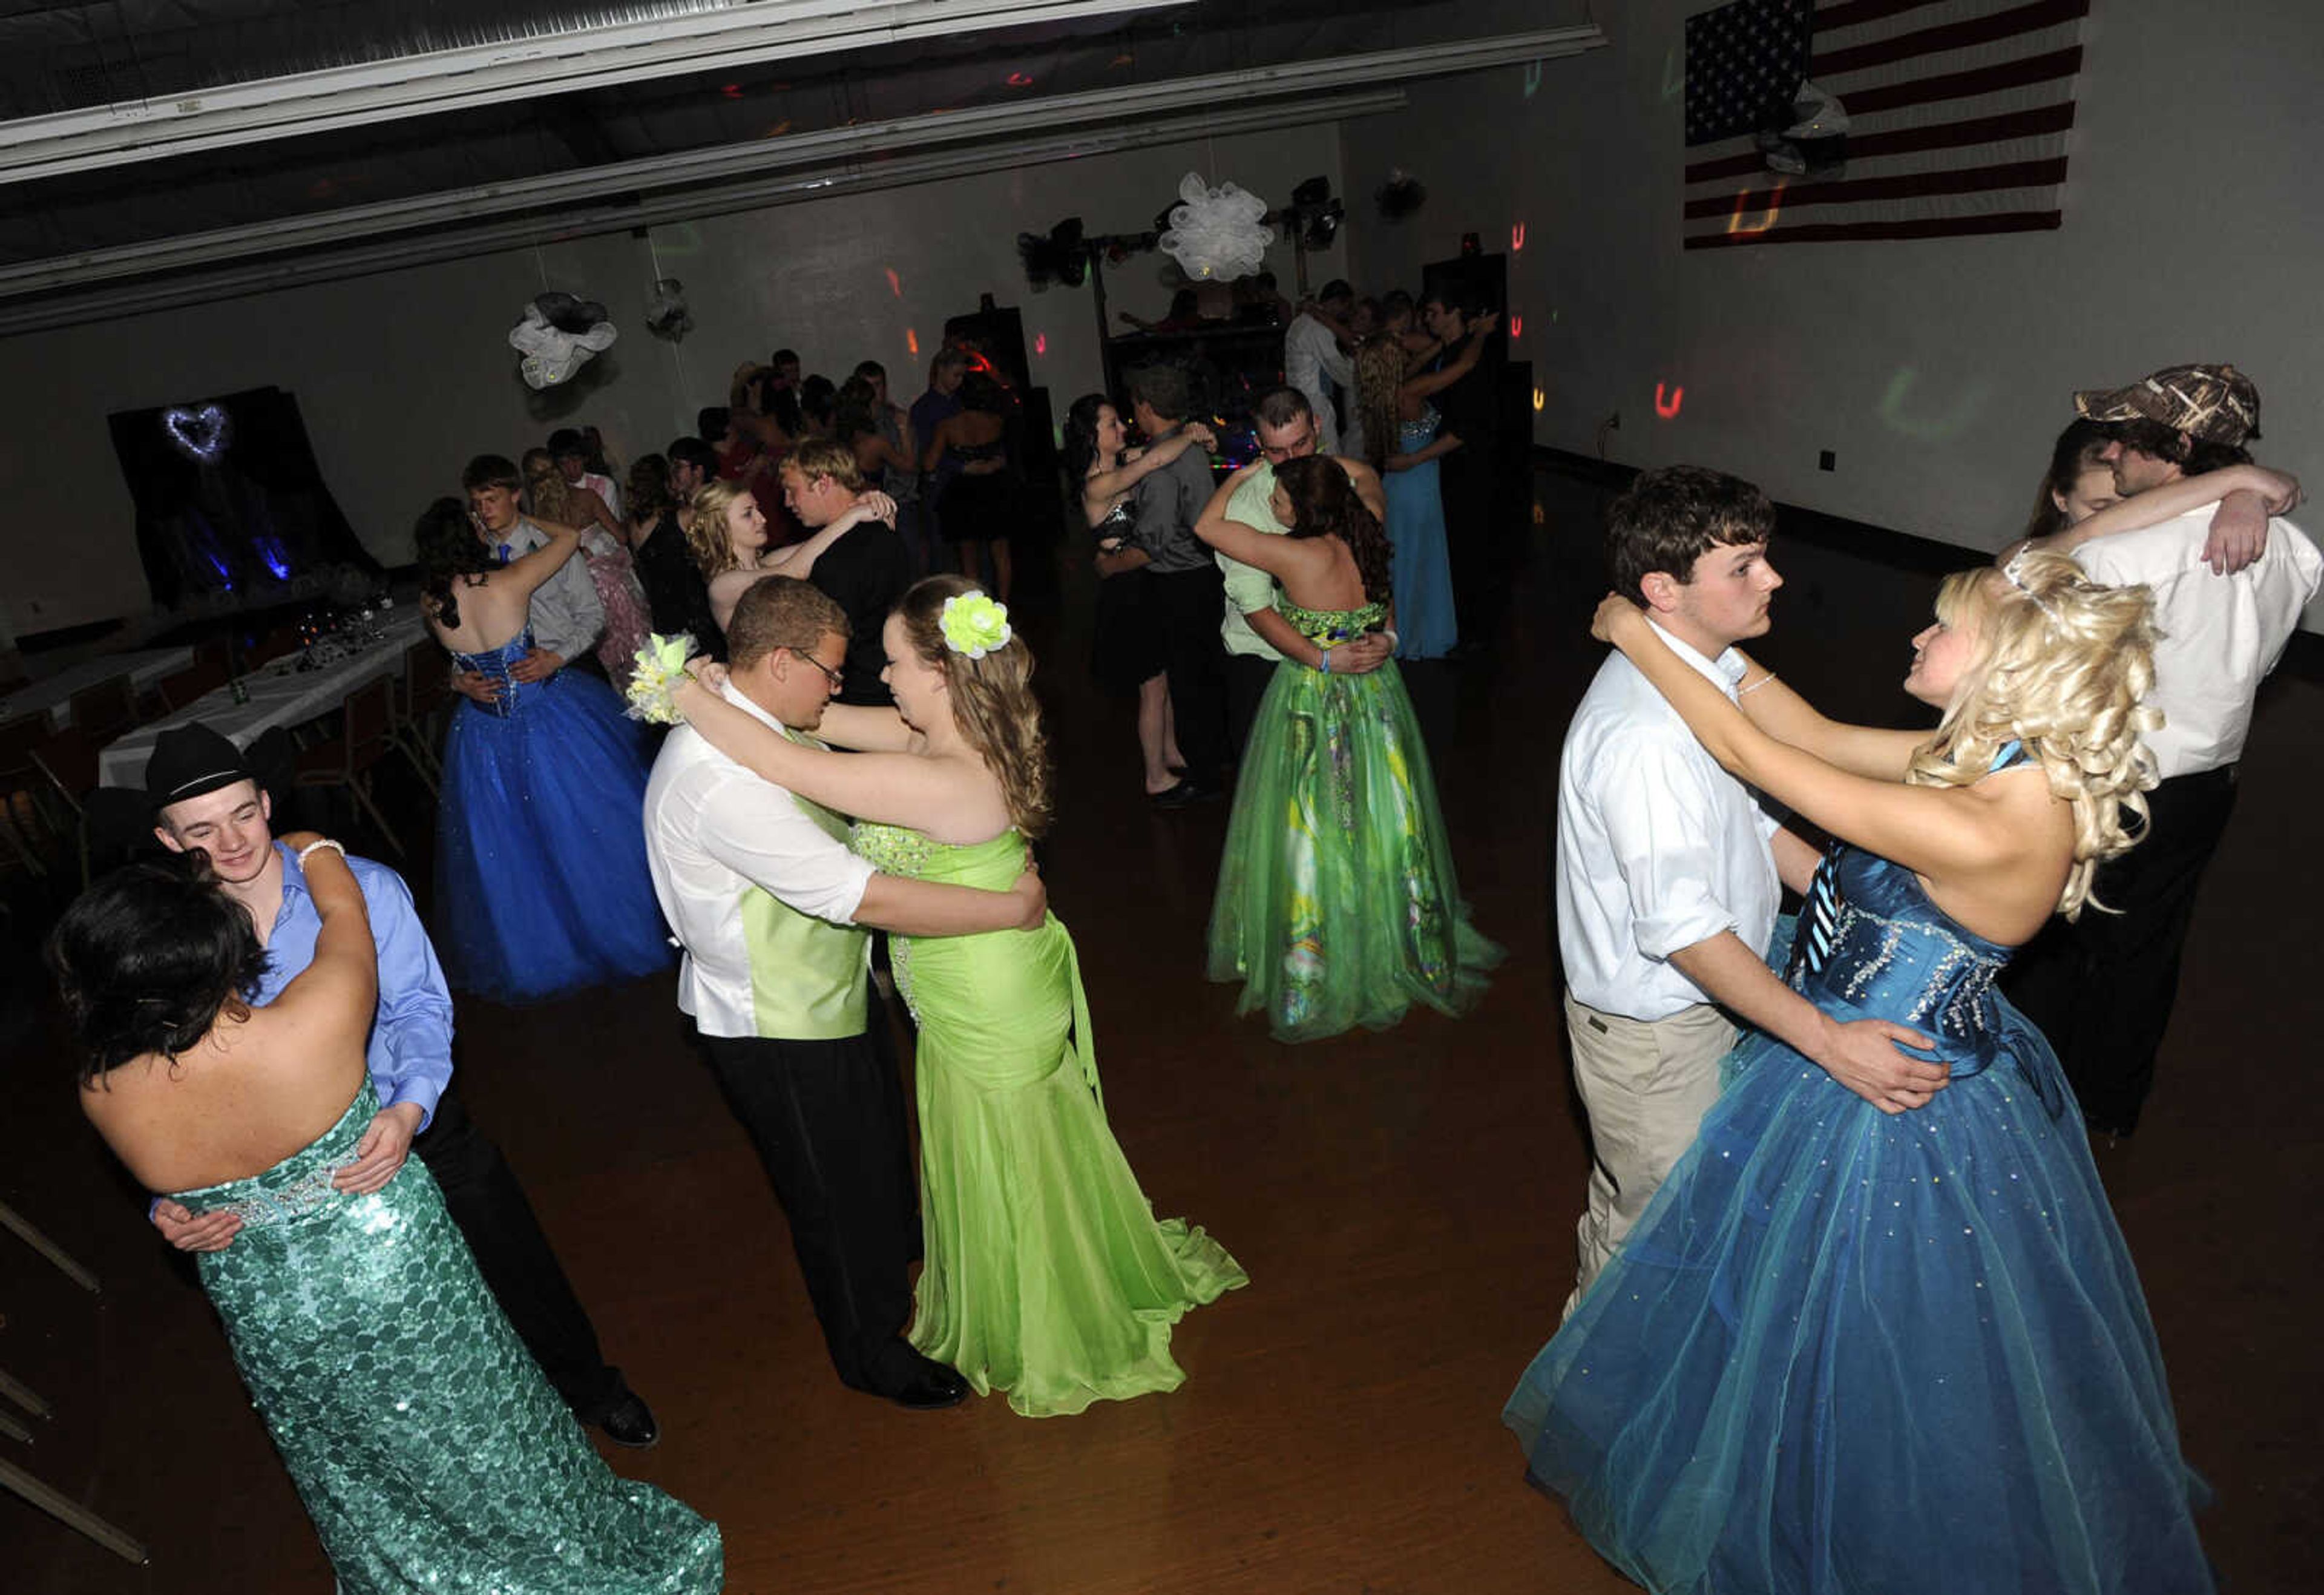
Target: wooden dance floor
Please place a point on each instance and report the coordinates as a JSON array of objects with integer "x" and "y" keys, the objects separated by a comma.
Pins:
[{"x": 1403, "y": 1204}]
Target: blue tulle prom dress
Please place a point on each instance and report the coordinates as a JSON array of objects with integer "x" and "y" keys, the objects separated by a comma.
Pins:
[
  {"x": 540, "y": 861},
  {"x": 1845, "y": 1351}
]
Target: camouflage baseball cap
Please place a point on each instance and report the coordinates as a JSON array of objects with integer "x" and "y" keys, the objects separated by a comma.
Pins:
[{"x": 2215, "y": 404}]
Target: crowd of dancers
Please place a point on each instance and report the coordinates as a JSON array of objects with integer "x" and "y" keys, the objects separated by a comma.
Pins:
[{"x": 1852, "y": 1311}]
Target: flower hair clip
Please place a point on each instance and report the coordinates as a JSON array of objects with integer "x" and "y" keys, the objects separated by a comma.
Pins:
[{"x": 973, "y": 624}]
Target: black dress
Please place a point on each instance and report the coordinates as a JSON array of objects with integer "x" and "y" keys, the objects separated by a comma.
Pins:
[
  {"x": 1127, "y": 650},
  {"x": 676, "y": 595},
  {"x": 980, "y": 509}
]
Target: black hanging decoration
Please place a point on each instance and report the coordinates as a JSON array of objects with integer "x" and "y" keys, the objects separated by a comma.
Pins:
[{"x": 1399, "y": 196}]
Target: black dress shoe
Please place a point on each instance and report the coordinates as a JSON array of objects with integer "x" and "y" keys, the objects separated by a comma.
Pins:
[
  {"x": 629, "y": 1421},
  {"x": 1173, "y": 796},
  {"x": 931, "y": 1390}
]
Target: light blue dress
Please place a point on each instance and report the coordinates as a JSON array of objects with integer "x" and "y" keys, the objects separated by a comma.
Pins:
[
  {"x": 1845, "y": 1351},
  {"x": 1427, "y": 627}
]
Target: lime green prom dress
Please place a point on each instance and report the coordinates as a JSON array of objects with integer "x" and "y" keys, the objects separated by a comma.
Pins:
[
  {"x": 1337, "y": 904},
  {"x": 1047, "y": 1275}
]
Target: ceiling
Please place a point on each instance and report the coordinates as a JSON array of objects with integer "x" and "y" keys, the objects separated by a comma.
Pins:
[{"x": 156, "y": 152}]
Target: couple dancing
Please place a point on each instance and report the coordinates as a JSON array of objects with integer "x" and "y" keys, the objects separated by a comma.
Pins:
[
  {"x": 1047, "y": 1274},
  {"x": 1877, "y": 1329}
]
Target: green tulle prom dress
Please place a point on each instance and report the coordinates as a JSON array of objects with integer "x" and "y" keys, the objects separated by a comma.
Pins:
[
  {"x": 1337, "y": 904},
  {"x": 429, "y": 1450},
  {"x": 1047, "y": 1275}
]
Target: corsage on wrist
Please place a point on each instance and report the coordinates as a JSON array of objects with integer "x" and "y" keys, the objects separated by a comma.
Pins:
[{"x": 660, "y": 667}]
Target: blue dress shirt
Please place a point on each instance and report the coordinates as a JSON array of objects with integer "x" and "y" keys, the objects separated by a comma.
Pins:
[{"x": 409, "y": 1052}]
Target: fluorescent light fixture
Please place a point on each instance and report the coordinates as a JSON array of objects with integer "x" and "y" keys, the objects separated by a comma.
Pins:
[
  {"x": 692, "y": 204},
  {"x": 1257, "y": 85},
  {"x": 688, "y": 39}
]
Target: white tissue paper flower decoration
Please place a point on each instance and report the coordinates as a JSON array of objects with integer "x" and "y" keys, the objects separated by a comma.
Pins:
[
  {"x": 1216, "y": 232},
  {"x": 556, "y": 337}
]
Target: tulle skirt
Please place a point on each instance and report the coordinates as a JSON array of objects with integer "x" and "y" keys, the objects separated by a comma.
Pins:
[
  {"x": 1847, "y": 1352},
  {"x": 541, "y": 882},
  {"x": 1337, "y": 904}
]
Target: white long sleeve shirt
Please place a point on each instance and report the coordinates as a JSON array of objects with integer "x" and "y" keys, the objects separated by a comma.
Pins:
[{"x": 1657, "y": 847}]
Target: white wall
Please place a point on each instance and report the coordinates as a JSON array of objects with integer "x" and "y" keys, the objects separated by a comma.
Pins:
[
  {"x": 1938, "y": 371},
  {"x": 402, "y": 375}
]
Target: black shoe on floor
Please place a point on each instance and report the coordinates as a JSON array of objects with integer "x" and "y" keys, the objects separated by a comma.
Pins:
[
  {"x": 1173, "y": 796},
  {"x": 914, "y": 1382},
  {"x": 629, "y": 1421}
]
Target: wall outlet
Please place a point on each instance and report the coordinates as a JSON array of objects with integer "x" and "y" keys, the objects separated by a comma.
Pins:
[{"x": 1827, "y": 461}]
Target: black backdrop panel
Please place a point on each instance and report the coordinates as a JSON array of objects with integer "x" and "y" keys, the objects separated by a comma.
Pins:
[{"x": 229, "y": 499}]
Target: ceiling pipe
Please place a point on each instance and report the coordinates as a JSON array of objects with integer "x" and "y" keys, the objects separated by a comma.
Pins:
[
  {"x": 139, "y": 299},
  {"x": 758, "y": 155},
  {"x": 743, "y": 34}
]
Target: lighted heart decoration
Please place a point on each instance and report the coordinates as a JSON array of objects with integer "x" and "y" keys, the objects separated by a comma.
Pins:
[{"x": 200, "y": 434}]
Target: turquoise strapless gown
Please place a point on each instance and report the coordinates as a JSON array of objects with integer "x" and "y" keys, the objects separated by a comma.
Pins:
[
  {"x": 430, "y": 1453},
  {"x": 1427, "y": 627},
  {"x": 1845, "y": 1351},
  {"x": 541, "y": 885},
  {"x": 1048, "y": 1274},
  {"x": 1337, "y": 904}
]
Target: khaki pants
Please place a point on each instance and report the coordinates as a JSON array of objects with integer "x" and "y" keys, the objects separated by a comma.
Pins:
[{"x": 1646, "y": 1087}]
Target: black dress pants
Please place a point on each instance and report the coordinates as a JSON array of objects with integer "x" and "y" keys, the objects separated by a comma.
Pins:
[
  {"x": 1249, "y": 677},
  {"x": 1192, "y": 604},
  {"x": 520, "y": 1267},
  {"x": 2102, "y": 988},
  {"x": 828, "y": 1118}
]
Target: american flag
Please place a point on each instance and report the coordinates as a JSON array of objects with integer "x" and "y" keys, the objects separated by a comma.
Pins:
[{"x": 1957, "y": 115}]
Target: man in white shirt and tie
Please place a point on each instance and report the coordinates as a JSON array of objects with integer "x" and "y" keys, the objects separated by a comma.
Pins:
[
  {"x": 1668, "y": 868},
  {"x": 2102, "y": 988},
  {"x": 775, "y": 914}
]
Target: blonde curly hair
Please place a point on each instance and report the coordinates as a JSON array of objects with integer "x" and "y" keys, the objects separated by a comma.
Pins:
[
  {"x": 704, "y": 521},
  {"x": 992, "y": 702},
  {"x": 2062, "y": 665},
  {"x": 1379, "y": 373}
]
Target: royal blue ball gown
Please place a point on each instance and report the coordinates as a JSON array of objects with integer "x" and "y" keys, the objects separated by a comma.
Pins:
[
  {"x": 541, "y": 886},
  {"x": 1847, "y": 1352}
]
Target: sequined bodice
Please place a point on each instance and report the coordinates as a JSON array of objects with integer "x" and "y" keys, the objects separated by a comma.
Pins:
[
  {"x": 1118, "y": 521},
  {"x": 1332, "y": 625},
  {"x": 1417, "y": 433},
  {"x": 496, "y": 663}
]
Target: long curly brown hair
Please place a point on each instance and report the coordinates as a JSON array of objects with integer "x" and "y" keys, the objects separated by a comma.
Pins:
[
  {"x": 992, "y": 702},
  {"x": 1325, "y": 503}
]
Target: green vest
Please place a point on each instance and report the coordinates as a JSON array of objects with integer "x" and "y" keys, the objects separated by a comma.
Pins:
[{"x": 807, "y": 975}]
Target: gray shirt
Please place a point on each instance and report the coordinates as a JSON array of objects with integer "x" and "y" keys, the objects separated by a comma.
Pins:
[
  {"x": 567, "y": 614},
  {"x": 1165, "y": 505}
]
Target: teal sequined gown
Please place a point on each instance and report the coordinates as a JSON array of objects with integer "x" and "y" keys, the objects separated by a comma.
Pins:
[
  {"x": 430, "y": 1453},
  {"x": 1337, "y": 904}
]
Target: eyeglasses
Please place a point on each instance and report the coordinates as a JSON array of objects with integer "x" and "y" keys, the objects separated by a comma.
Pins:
[{"x": 830, "y": 675}]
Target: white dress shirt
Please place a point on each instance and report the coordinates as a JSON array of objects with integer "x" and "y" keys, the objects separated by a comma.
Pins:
[
  {"x": 1657, "y": 847},
  {"x": 1312, "y": 362},
  {"x": 713, "y": 830},
  {"x": 2221, "y": 634}
]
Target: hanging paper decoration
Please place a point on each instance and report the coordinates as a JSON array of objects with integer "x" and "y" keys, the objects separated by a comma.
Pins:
[
  {"x": 557, "y": 337},
  {"x": 200, "y": 434},
  {"x": 1217, "y": 232},
  {"x": 667, "y": 315}
]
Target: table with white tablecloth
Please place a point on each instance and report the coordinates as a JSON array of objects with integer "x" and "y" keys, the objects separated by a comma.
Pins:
[
  {"x": 52, "y": 695},
  {"x": 279, "y": 695}
]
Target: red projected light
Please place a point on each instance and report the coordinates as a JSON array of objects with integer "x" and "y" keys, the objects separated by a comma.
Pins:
[
  {"x": 911, "y": 340},
  {"x": 1020, "y": 79},
  {"x": 895, "y": 283},
  {"x": 1517, "y": 327},
  {"x": 1668, "y": 408},
  {"x": 1040, "y": 342},
  {"x": 1516, "y": 237},
  {"x": 731, "y": 90}
]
